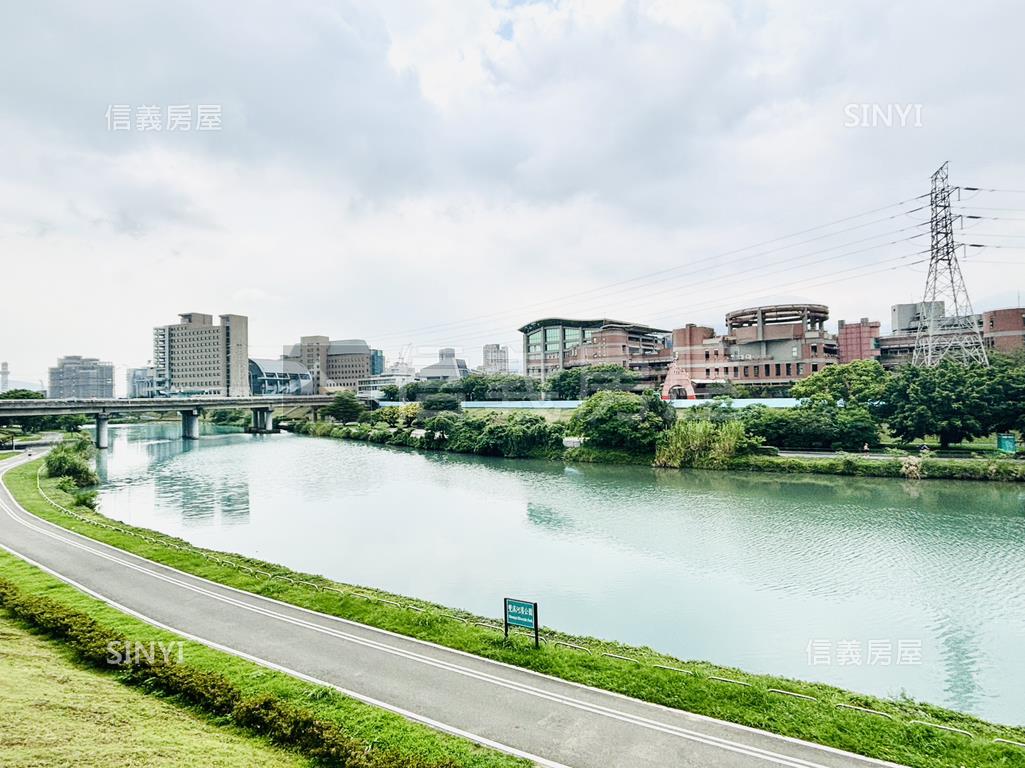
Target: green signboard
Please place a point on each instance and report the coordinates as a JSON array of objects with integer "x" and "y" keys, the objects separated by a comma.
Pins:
[
  {"x": 521, "y": 613},
  {"x": 1007, "y": 444}
]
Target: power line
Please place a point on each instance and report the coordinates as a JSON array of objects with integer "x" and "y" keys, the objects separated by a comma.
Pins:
[{"x": 617, "y": 284}]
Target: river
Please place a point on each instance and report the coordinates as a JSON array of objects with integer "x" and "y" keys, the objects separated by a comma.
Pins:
[{"x": 880, "y": 586}]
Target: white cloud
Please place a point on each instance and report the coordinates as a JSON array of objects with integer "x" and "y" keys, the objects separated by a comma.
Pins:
[{"x": 434, "y": 173}]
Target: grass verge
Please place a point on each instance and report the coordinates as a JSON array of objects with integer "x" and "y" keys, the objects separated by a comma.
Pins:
[
  {"x": 7, "y": 454},
  {"x": 85, "y": 718},
  {"x": 825, "y": 715},
  {"x": 318, "y": 722}
]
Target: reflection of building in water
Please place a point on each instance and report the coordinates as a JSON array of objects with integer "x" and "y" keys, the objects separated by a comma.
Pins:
[
  {"x": 548, "y": 518},
  {"x": 203, "y": 499},
  {"x": 961, "y": 665}
]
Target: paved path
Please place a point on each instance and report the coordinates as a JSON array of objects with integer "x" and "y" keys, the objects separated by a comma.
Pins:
[{"x": 552, "y": 722}]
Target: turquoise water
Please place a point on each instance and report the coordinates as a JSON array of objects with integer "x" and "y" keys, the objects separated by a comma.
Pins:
[{"x": 780, "y": 574}]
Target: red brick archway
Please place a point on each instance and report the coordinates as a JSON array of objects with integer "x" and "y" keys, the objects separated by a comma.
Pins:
[{"x": 677, "y": 378}]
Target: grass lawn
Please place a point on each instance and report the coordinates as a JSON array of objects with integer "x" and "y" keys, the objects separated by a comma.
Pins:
[
  {"x": 688, "y": 685},
  {"x": 7, "y": 454},
  {"x": 399, "y": 741},
  {"x": 56, "y": 712}
]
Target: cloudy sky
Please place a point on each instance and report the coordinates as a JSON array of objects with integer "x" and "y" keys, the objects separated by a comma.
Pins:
[{"x": 439, "y": 173}]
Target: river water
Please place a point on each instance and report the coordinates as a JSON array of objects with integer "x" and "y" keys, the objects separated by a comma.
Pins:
[{"x": 880, "y": 586}]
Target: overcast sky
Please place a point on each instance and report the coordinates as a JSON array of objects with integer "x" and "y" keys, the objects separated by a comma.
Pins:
[{"x": 439, "y": 173}]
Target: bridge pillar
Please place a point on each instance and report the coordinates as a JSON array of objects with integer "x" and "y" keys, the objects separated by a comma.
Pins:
[
  {"x": 190, "y": 425},
  {"x": 314, "y": 415},
  {"x": 263, "y": 420},
  {"x": 102, "y": 434}
]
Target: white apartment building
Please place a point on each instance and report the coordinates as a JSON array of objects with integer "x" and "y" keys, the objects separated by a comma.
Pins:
[
  {"x": 496, "y": 358},
  {"x": 197, "y": 357}
]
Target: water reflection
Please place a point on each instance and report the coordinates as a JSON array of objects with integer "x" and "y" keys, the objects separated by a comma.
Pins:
[{"x": 743, "y": 569}]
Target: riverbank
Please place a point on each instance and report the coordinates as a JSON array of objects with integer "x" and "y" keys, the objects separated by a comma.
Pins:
[
  {"x": 843, "y": 464},
  {"x": 83, "y": 717},
  {"x": 765, "y": 702}
]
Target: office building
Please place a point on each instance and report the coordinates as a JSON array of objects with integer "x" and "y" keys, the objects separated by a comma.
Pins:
[
  {"x": 448, "y": 368},
  {"x": 279, "y": 377},
  {"x": 496, "y": 359},
  {"x": 195, "y": 356},
  {"x": 552, "y": 344},
  {"x": 769, "y": 345},
  {"x": 334, "y": 365},
  {"x": 857, "y": 341},
  {"x": 81, "y": 378}
]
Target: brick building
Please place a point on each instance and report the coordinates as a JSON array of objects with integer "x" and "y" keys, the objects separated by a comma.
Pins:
[{"x": 857, "y": 341}]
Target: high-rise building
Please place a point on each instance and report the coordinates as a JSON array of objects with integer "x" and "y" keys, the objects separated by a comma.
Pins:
[
  {"x": 197, "y": 357},
  {"x": 81, "y": 378},
  {"x": 857, "y": 341},
  {"x": 376, "y": 362},
  {"x": 496, "y": 359},
  {"x": 334, "y": 365},
  {"x": 5, "y": 376}
]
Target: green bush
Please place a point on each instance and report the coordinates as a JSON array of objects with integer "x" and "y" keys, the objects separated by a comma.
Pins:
[
  {"x": 817, "y": 425},
  {"x": 441, "y": 401},
  {"x": 70, "y": 459},
  {"x": 611, "y": 419}
]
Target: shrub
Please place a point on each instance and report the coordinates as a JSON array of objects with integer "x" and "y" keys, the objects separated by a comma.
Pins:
[
  {"x": 819, "y": 426},
  {"x": 703, "y": 443},
  {"x": 611, "y": 419},
  {"x": 71, "y": 460},
  {"x": 441, "y": 401}
]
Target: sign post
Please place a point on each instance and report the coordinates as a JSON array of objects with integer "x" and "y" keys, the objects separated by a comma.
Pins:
[{"x": 521, "y": 613}]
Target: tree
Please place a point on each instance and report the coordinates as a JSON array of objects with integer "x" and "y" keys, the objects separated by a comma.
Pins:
[
  {"x": 345, "y": 408},
  {"x": 950, "y": 400},
  {"x": 610, "y": 419},
  {"x": 817, "y": 425},
  {"x": 391, "y": 392},
  {"x": 498, "y": 386},
  {"x": 582, "y": 381},
  {"x": 27, "y": 423},
  {"x": 860, "y": 382},
  {"x": 1006, "y": 393},
  {"x": 441, "y": 401}
]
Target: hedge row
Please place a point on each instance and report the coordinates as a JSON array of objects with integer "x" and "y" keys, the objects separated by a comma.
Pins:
[
  {"x": 908, "y": 467},
  {"x": 264, "y": 714}
]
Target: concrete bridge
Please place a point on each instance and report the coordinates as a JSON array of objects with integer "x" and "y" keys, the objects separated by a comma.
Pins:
[{"x": 190, "y": 409}]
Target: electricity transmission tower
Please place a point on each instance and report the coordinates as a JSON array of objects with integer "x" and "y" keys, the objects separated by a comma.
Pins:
[{"x": 951, "y": 333}]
